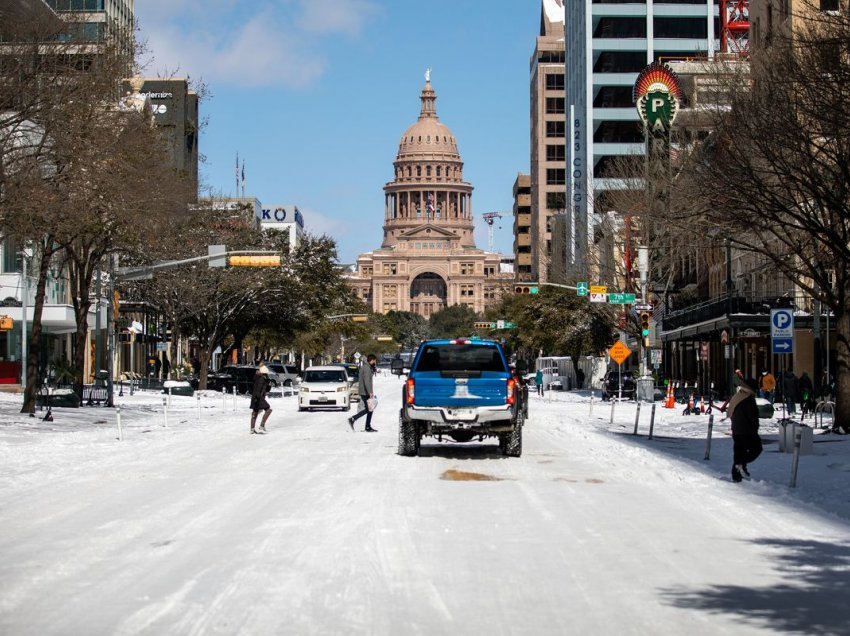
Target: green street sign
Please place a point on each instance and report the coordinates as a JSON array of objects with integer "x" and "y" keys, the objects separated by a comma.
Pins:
[
  {"x": 621, "y": 299},
  {"x": 510, "y": 325},
  {"x": 581, "y": 289}
]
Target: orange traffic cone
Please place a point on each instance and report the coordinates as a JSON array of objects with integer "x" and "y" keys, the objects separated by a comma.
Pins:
[
  {"x": 671, "y": 400},
  {"x": 702, "y": 404}
]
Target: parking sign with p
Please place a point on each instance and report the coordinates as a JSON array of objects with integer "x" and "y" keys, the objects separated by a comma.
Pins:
[{"x": 782, "y": 330}]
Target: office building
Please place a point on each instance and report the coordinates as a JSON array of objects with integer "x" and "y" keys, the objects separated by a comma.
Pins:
[
  {"x": 609, "y": 44},
  {"x": 548, "y": 138}
]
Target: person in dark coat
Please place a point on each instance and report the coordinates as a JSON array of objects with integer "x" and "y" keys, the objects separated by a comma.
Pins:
[
  {"x": 746, "y": 443},
  {"x": 807, "y": 394},
  {"x": 366, "y": 390},
  {"x": 790, "y": 391},
  {"x": 580, "y": 379},
  {"x": 262, "y": 385}
]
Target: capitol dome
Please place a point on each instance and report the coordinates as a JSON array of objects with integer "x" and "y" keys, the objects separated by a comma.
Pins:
[{"x": 428, "y": 138}]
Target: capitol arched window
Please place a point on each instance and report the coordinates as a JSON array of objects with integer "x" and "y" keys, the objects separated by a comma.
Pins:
[
  {"x": 418, "y": 171},
  {"x": 438, "y": 171},
  {"x": 428, "y": 171}
]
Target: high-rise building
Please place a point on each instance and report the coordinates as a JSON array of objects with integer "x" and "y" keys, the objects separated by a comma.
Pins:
[
  {"x": 175, "y": 112},
  {"x": 522, "y": 227},
  {"x": 548, "y": 137},
  {"x": 428, "y": 259},
  {"x": 609, "y": 43},
  {"x": 95, "y": 20}
]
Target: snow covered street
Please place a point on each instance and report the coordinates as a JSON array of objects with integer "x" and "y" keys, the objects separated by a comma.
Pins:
[{"x": 200, "y": 528}]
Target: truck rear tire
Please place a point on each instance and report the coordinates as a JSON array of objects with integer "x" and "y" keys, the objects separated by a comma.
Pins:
[
  {"x": 511, "y": 443},
  {"x": 408, "y": 438}
]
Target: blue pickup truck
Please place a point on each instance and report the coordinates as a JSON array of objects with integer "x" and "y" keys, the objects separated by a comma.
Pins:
[{"x": 462, "y": 389}]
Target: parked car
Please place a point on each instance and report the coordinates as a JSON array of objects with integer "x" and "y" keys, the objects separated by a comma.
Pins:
[
  {"x": 353, "y": 371},
  {"x": 324, "y": 387},
  {"x": 287, "y": 373},
  {"x": 240, "y": 376},
  {"x": 611, "y": 385}
]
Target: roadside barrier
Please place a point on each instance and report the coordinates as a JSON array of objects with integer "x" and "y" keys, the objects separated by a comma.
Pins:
[
  {"x": 652, "y": 421},
  {"x": 708, "y": 437}
]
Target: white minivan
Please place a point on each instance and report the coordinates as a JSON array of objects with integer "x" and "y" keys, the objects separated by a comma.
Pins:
[{"x": 324, "y": 388}]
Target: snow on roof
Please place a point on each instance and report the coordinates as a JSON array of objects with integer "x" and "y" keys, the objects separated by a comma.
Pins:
[{"x": 554, "y": 10}]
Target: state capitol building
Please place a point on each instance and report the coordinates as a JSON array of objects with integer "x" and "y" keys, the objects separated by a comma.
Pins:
[{"x": 428, "y": 259}]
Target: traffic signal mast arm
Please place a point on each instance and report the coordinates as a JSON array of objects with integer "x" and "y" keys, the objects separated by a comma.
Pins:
[
  {"x": 524, "y": 284},
  {"x": 146, "y": 271}
]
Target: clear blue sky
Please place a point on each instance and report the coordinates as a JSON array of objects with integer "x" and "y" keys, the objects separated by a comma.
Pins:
[{"x": 315, "y": 95}]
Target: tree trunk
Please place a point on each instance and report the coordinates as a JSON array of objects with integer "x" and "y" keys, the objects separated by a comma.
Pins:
[
  {"x": 34, "y": 346},
  {"x": 842, "y": 372},
  {"x": 175, "y": 338},
  {"x": 204, "y": 362},
  {"x": 80, "y": 348}
]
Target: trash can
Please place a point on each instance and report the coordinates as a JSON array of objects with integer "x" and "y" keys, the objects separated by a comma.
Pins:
[
  {"x": 645, "y": 389},
  {"x": 787, "y": 433}
]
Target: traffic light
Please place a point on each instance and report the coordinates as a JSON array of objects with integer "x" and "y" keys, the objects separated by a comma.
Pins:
[
  {"x": 266, "y": 260},
  {"x": 529, "y": 288},
  {"x": 644, "y": 324},
  {"x": 359, "y": 318},
  {"x": 483, "y": 325},
  {"x": 644, "y": 328}
]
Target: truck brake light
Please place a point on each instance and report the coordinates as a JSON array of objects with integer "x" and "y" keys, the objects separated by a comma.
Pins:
[
  {"x": 511, "y": 391},
  {"x": 461, "y": 341},
  {"x": 410, "y": 390}
]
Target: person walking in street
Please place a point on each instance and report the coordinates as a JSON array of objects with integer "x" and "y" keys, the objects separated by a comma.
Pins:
[
  {"x": 789, "y": 391},
  {"x": 767, "y": 385},
  {"x": 807, "y": 394},
  {"x": 746, "y": 443},
  {"x": 262, "y": 385},
  {"x": 366, "y": 390},
  {"x": 538, "y": 382}
]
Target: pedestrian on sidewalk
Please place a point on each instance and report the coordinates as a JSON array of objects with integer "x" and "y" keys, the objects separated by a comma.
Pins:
[
  {"x": 262, "y": 385},
  {"x": 746, "y": 443},
  {"x": 790, "y": 391},
  {"x": 366, "y": 390},
  {"x": 538, "y": 382},
  {"x": 767, "y": 385}
]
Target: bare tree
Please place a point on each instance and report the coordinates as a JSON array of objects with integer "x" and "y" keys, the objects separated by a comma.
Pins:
[{"x": 774, "y": 177}]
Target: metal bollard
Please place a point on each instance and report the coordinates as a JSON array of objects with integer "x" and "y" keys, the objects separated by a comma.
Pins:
[
  {"x": 591, "y": 405},
  {"x": 118, "y": 418},
  {"x": 223, "y": 399},
  {"x": 165, "y": 411},
  {"x": 234, "y": 399},
  {"x": 652, "y": 421},
  {"x": 613, "y": 402},
  {"x": 198, "y": 396},
  {"x": 708, "y": 437},
  {"x": 637, "y": 418},
  {"x": 169, "y": 396},
  {"x": 798, "y": 441}
]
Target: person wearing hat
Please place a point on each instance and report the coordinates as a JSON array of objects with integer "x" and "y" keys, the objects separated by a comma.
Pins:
[
  {"x": 767, "y": 385},
  {"x": 746, "y": 443},
  {"x": 262, "y": 385}
]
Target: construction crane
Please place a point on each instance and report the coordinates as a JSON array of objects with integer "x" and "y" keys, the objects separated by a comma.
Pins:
[
  {"x": 489, "y": 219},
  {"x": 735, "y": 27}
]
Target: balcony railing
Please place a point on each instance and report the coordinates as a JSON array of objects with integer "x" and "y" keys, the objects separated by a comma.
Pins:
[{"x": 751, "y": 304}]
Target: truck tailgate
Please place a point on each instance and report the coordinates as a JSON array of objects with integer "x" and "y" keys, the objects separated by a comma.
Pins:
[{"x": 490, "y": 389}]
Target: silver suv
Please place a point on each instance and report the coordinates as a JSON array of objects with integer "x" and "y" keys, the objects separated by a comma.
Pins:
[{"x": 287, "y": 373}]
